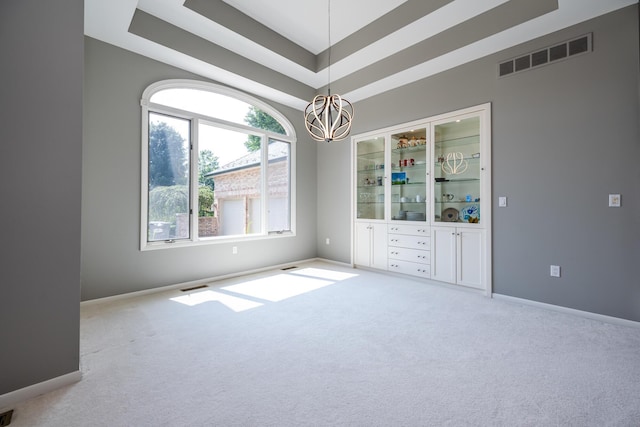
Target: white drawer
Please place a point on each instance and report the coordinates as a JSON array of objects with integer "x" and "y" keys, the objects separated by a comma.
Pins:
[
  {"x": 413, "y": 255},
  {"x": 412, "y": 268},
  {"x": 406, "y": 241},
  {"x": 416, "y": 230}
]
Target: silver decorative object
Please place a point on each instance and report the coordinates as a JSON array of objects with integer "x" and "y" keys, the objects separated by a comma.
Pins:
[{"x": 454, "y": 164}]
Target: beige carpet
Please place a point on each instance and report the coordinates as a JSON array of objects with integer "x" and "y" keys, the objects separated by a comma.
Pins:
[{"x": 325, "y": 345}]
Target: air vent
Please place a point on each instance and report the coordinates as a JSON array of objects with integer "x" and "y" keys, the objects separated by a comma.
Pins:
[
  {"x": 289, "y": 268},
  {"x": 194, "y": 288},
  {"x": 558, "y": 52}
]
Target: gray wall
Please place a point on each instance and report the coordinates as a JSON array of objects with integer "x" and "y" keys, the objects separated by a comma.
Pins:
[
  {"x": 564, "y": 137},
  {"x": 41, "y": 44},
  {"x": 112, "y": 262}
]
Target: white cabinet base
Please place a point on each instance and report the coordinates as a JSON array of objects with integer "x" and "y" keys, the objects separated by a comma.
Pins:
[
  {"x": 457, "y": 256},
  {"x": 412, "y": 268},
  {"x": 371, "y": 245}
]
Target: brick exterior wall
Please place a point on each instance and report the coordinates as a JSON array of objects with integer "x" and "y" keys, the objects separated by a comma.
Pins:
[
  {"x": 207, "y": 226},
  {"x": 238, "y": 184},
  {"x": 245, "y": 184}
]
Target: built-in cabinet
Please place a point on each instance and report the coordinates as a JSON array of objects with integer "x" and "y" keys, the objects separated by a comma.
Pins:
[
  {"x": 370, "y": 179},
  {"x": 371, "y": 245},
  {"x": 409, "y": 249},
  {"x": 421, "y": 198},
  {"x": 457, "y": 255}
]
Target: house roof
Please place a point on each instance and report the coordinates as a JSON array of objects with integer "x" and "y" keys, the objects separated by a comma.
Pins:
[
  {"x": 277, "y": 151},
  {"x": 279, "y": 49}
]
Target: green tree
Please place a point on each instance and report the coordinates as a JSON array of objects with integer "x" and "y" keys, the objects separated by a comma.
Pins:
[
  {"x": 205, "y": 201},
  {"x": 168, "y": 156},
  {"x": 261, "y": 120},
  {"x": 207, "y": 162},
  {"x": 166, "y": 202}
]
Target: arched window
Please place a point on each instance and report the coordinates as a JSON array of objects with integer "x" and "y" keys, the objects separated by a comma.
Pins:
[{"x": 217, "y": 164}]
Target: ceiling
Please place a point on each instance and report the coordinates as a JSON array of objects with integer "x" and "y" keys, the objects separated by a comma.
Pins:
[{"x": 279, "y": 49}]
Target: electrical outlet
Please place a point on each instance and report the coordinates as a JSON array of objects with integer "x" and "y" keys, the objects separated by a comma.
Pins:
[
  {"x": 502, "y": 201},
  {"x": 5, "y": 418},
  {"x": 234, "y": 250},
  {"x": 614, "y": 200},
  {"x": 555, "y": 271},
  {"x": 327, "y": 241}
]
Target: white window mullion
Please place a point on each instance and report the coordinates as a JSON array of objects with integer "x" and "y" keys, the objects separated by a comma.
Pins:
[
  {"x": 144, "y": 178},
  {"x": 193, "y": 187},
  {"x": 265, "y": 185}
]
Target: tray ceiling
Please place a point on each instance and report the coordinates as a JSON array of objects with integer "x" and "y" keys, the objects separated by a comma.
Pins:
[{"x": 278, "y": 49}]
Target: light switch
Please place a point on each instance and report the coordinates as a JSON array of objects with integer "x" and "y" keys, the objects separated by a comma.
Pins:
[
  {"x": 502, "y": 201},
  {"x": 614, "y": 200}
]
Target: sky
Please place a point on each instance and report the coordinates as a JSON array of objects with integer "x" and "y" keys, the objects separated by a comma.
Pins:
[{"x": 227, "y": 145}]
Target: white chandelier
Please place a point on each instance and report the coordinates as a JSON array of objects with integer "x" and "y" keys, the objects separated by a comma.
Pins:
[{"x": 328, "y": 117}]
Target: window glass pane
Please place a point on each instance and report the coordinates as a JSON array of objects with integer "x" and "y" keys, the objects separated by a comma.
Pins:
[
  {"x": 168, "y": 207},
  {"x": 234, "y": 171},
  {"x": 231, "y": 177},
  {"x": 219, "y": 106},
  {"x": 278, "y": 186}
]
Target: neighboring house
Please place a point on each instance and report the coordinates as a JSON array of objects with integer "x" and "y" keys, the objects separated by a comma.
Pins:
[{"x": 237, "y": 202}]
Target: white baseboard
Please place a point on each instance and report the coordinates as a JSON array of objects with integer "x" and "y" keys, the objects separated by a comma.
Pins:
[
  {"x": 192, "y": 283},
  {"x": 330, "y": 261},
  {"x": 9, "y": 399},
  {"x": 573, "y": 311}
]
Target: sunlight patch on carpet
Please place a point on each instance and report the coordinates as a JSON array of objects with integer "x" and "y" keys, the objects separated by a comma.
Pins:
[
  {"x": 269, "y": 289},
  {"x": 324, "y": 274},
  {"x": 234, "y": 303},
  {"x": 279, "y": 287}
]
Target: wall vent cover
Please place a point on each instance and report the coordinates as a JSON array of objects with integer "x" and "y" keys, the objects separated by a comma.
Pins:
[
  {"x": 548, "y": 55},
  {"x": 194, "y": 288}
]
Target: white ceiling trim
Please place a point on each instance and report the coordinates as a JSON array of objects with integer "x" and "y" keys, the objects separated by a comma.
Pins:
[{"x": 109, "y": 21}]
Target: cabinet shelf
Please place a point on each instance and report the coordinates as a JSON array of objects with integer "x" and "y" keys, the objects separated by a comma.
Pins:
[
  {"x": 469, "y": 159},
  {"x": 449, "y": 181},
  {"x": 417, "y": 148},
  {"x": 409, "y": 203},
  {"x": 457, "y": 142},
  {"x": 409, "y": 168},
  {"x": 408, "y": 184},
  {"x": 374, "y": 155},
  {"x": 456, "y": 201}
]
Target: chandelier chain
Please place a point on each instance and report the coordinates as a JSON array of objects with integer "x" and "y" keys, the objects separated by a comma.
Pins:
[{"x": 329, "y": 53}]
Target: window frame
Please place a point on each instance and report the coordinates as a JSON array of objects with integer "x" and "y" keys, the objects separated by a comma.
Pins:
[{"x": 196, "y": 119}]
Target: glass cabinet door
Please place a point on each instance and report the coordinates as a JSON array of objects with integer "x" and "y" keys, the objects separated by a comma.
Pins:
[
  {"x": 370, "y": 195},
  {"x": 409, "y": 170},
  {"x": 456, "y": 170}
]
